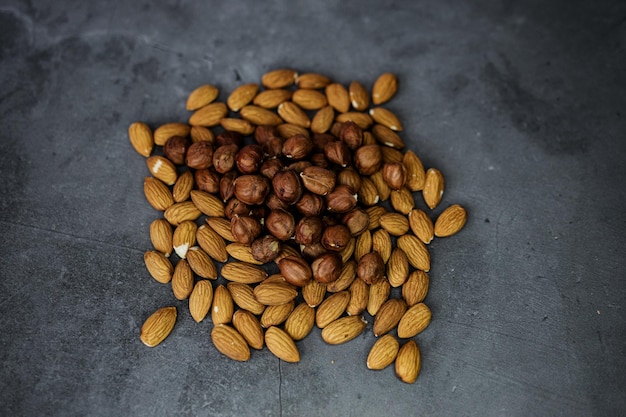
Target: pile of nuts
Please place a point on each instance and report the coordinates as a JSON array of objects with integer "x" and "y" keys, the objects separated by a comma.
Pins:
[{"x": 305, "y": 178}]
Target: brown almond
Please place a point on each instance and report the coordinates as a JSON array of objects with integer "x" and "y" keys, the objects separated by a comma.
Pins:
[
  {"x": 157, "y": 194},
  {"x": 450, "y": 221},
  {"x": 381, "y": 186},
  {"x": 209, "y": 115},
  {"x": 378, "y": 294},
  {"x": 207, "y": 203},
  {"x": 279, "y": 78},
  {"x": 348, "y": 251},
  {"x": 270, "y": 99},
  {"x": 182, "y": 187},
  {"x": 237, "y": 125},
  {"x": 309, "y": 99},
  {"x": 415, "y": 251},
  {"x": 402, "y": 200},
  {"x": 223, "y": 307},
  {"x": 182, "y": 280},
  {"x": 343, "y": 329},
  {"x": 358, "y": 96},
  {"x": 158, "y": 326},
  {"x": 386, "y": 118},
  {"x": 381, "y": 243},
  {"x": 166, "y": 131},
  {"x": 416, "y": 176},
  {"x": 162, "y": 169},
  {"x": 359, "y": 296},
  {"x": 421, "y": 225},
  {"x": 242, "y": 253},
  {"x": 221, "y": 227},
  {"x": 200, "y": 300},
  {"x": 391, "y": 155},
  {"x": 212, "y": 243},
  {"x": 275, "y": 315},
  {"x": 281, "y": 345},
  {"x": 415, "y": 288},
  {"x": 384, "y": 88},
  {"x": 201, "y": 134},
  {"x": 260, "y": 116},
  {"x": 312, "y": 81},
  {"x": 368, "y": 193},
  {"x": 383, "y": 353},
  {"x": 374, "y": 213},
  {"x": 230, "y": 342},
  {"x": 331, "y": 309},
  {"x": 408, "y": 362},
  {"x": 433, "y": 188},
  {"x": 287, "y": 130},
  {"x": 300, "y": 322},
  {"x": 323, "y": 119},
  {"x": 243, "y": 296},
  {"x": 184, "y": 238},
  {"x": 394, "y": 223},
  {"x": 180, "y": 212},
  {"x": 347, "y": 275},
  {"x": 388, "y": 316},
  {"x": 362, "y": 120},
  {"x": 241, "y": 96},
  {"x": 243, "y": 272},
  {"x": 141, "y": 138},
  {"x": 363, "y": 245},
  {"x": 201, "y": 263},
  {"x": 313, "y": 293},
  {"x": 274, "y": 293},
  {"x": 387, "y": 137},
  {"x": 292, "y": 113},
  {"x": 201, "y": 96},
  {"x": 249, "y": 327},
  {"x": 161, "y": 236},
  {"x": 159, "y": 267},
  {"x": 338, "y": 97},
  {"x": 397, "y": 268},
  {"x": 414, "y": 321}
]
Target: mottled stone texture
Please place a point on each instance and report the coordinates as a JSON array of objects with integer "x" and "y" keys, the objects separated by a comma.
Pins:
[{"x": 520, "y": 104}]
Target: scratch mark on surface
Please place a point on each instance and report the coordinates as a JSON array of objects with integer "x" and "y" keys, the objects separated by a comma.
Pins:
[{"x": 280, "y": 390}]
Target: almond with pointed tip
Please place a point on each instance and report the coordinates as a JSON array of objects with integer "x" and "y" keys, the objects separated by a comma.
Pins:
[
  {"x": 394, "y": 223},
  {"x": 162, "y": 169},
  {"x": 184, "y": 238},
  {"x": 292, "y": 113},
  {"x": 343, "y": 329},
  {"x": 183, "y": 186},
  {"x": 383, "y": 353},
  {"x": 157, "y": 194},
  {"x": 207, "y": 203},
  {"x": 359, "y": 295},
  {"x": 300, "y": 322},
  {"x": 338, "y": 97},
  {"x": 221, "y": 227},
  {"x": 277, "y": 314},
  {"x": 161, "y": 236},
  {"x": 158, "y": 326},
  {"x": 309, "y": 99},
  {"x": 415, "y": 251},
  {"x": 331, "y": 308},
  {"x": 274, "y": 293},
  {"x": 242, "y": 252},
  {"x": 237, "y": 125},
  {"x": 323, "y": 119},
  {"x": 381, "y": 243},
  {"x": 243, "y": 296},
  {"x": 201, "y": 96},
  {"x": 414, "y": 321},
  {"x": 200, "y": 300},
  {"x": 312, "y": 81},
  {"x": 230, "y": 342},
  {"x": 402, "y": 200},
  {"x": 378, "y": 293},
  {"x": 243, "y": 272},
  {"x": 270, "y": 99},
  {"x": 359, "y": 98},
  {"x": 279, "y": 78},
  {"x": 387, "y": 137},
  {"x": 212, "y": 243},
  {"x": 421, "y": 225},
  {"x": 386, "y": 118},
  {"x": 384, "y": 88},
  {"x": 223, "y": 307},
  {"x": 182, "y": 280},
  {"x": 141, "y": 138},
  {"x": 241, "y": 96},
  {"x": 362, "y": 120},
  {"x": 166, "y": 131},
  {"x": 249, "y": 327},
  {"x": 313, "y": 293},
  {"x": 397, "y": 268},
  {"x": 209, "y": 115},
  {"x": 159, "y": 267},
  {"x": 201, "y": 263},
  {"x": 388, "y": 316},
  {"x": 260, "y": 116},
  {"x": 450, "y": 221},
  {"x": 415, "y": 288},
  {"x": 433, "y": 188},
  {"x": 408, "y": 362},
  {"x": 281, "y": 345},
  {"x": 201, "y": 134}
]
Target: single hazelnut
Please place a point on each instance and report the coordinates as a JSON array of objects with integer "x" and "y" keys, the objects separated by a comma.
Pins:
[
  {"x": 297, "y": 147},
  {"x": 281, "y": 224},
  {"x": 270, "y": 167},
  {"x": 228, "y": 137},
  {"x": 175, "y": 149},
  {"x": 245, "y": 228},
  {"x": 319, "y": 160},
  {"x": 224, "y": 158},
  {"x": 235, "y": 207},
  {"x": 310, "y": 204},
  {"x": 394, "y": 174},
  {"x": 312, "y": 250},
  {"x": 351, "y": 178},
  {"x": 370, "y": 268},
  {"x": 327, "y": 267},
  {"x": 368, "y": 159},
  {"x": 227, "y": 185},
  {"x": 351, "y": 134},
  {"x": 252, "y": 189},
  {"x": 207, "y": 180},
  {"x": 341, "y": 199},
  {"x": 249, "y": 159},
  {"x": 287, "y": 186},
  {"x": 309, "y": 230},
  {"x": 199, "y": 155},
  {"x": 265, "y": 249},
  {"x": 295, "y": 270},
  {"x": 318, "y": 180},
  {"x": 264, "y": 133},
  {"x": 338, "y": 153},
  {"x": 356, "y": 220},
  {"x": 258, "y": 212},
  {"x": 274, "y": 203},
  {"x": 273, "y": 147},
  {"x": 336, "y": 238},
  {"x": 321, "y": 139}
]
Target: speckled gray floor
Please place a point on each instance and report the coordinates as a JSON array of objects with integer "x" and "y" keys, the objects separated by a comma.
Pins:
[{"x": 520, "y": 104}]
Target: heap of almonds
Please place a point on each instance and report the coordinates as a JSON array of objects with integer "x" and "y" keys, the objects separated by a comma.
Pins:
[{"x": 303, "y": 176}]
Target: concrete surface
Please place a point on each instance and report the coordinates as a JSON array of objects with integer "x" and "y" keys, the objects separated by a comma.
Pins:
[{"x": 520, "y": 104}]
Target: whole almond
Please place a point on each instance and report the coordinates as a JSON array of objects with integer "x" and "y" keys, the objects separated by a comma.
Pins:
[
  {"x": 166, "y": 131},
  {"x": 309, "y": 99},
  {"x": 415, "y": 251},
  {"x": 201, "y": 263},
  {"x": 222, "y": 308},
  {"x": 242, "y": 253},
  {"x": 159, "y": 267},
  {"x": 300, "y": 322},
  {"x": 343, "y": 329},
  {"x": 221, "y": 227},
  {"x": 274, "y": 293},
  {"x": 414, "y": 321},
  {"x": 201, "y": 134},
  {"x": 281, "y": 345},
  {"x": 359, "y": 296},
  {"x": 241, "y": 96},
  {"x": 212, "y": 243},
  {"x": 249, "y": 327},
  {"x": 184, "y": 237},
  {"x": 162, "y": 169},
  {"x": 161, "y": 236},
  {"x": 386, "y": 118},
  {"x": 383, "y": 353},
  {"x": 209, "y": 115},
  {"x": 362, "y": 120},
  {"x": 351, "y": 178},
  {"x": 182, "y": 280},
  {"x": 397, "y": 268},
  {"x": 348, "y": 251},
  {"x": 384, "y": 88},
  {"x": 180, "y": 212},
  {"x": 391, "y": 155},
  {"x": 207, "y": 203},
  {"x": 387, "y": 137},
  {"x": 421, "y": 225},
  {"x": 381, "y": 243},
  {"x": 331, "y": 309},
  {"x": 201, "y": 96},
  {"x": 237, "y": 125},
  {"x": 182, "y": 187},
  {"x": 243, "y": 272},
  {"x": 312, "y": 81},
  {"x": 200, "y": 300},
  {"x": 402, "y": 200},
  {"x": 415, "y": 288},
  {"x": 292, "y": 113},
  {"x": 279, "y": 78},
  {"x": 433, "y": 188},
  {"x": 260, "y": 116},
  {"x": 388, "y": 316},
  {"x": 381, "y": 186},
  {"x": 141, "y": 138},
  {"x": 275, "y": 315},
  {"x": 158, "y": 326},
  {"x": 243, "y": 296},
  {"x": 323, "y": 119},
  {"x": 363, "y": 245},
  {"x": 230, "y": 342},
  {"x": 450, "y": 221},
  {"x": 287, "y": 130},
  {"x": 368, "y": 139},
  {"x": 358, "y": 96},
  {"x": 394, "y": 223},
  {"x": 408, "y": 362},
  {"x": 416, "y": 176},
  {"x": 368, "y": 193},
  {"x": 338, "y": 97},
  {"x": 378, "y": 295},
  {"x": 270, "y": 99},
  {"x": 347, "y": 275},
  {"x": 374, "y": 213},
  {"x": 313, "y": 293},
  {"x": 157, "y": 194}
]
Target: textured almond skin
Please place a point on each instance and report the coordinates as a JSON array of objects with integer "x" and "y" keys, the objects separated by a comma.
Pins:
[
  {"x": 363, "y": 245},
  {"x": 300, "y": 322},
  {"x": 141, "y": 138},
  {"x": 312, "y": 81},
  {"x": 182, "y": 280},
  {"x": 292, "y": 113},
  {"x": 381, "y": 243},
  {"x": 222, "y": 308},
  {"x": 309, "y": 99},
  {"x": 416, "y": 176},
  {"x": 394, "y": 223},
  {"x": 162, "y": 169},
  {"x": 243, "y": 296},
  {"x": 201, "y": 96},
  {"x": 201, "y": 263},
  {"x": 166, "y": 131},
  {"x": 368, "y": 193},
  {"x": 414, "y": 321},
  {"x": 209, "y": 115},
  {"x": 200, "y": 300},
  {"x": 386, "y": 118},
  {"x": 277, "y": 314},
  {"x": 348, "y": 274},
  {"x": 387, "y": 137},
  {"x": 415, "y": 251},
  {"x": 157, "y": 194},
  {"x": 359, "y": 296},
  {"x": 388, "y": 316},
  {"x": 313, "y": 293},
  {"x": 331, "y": 308},
  {"x": 281, "y": 345},
  {"x": 249, "y": 327},
  {"x": 241, "y": 96},
  {"x": 182, "y": 187},
  {"x": 381, "y": 186},
  {"x": 221, "y": 227},
  {"x": 383, "y": 353},
  {"x": 359, "y": 98},
  {"x": 180, "y": 212},
  {"x": 242, "y": 253},
  {"x": 287, "y": 130},
  {"x": 450, "y": 221},
  {"x": 230, "y": 342},
  {"x": 433, "y": 188},
  {"x": 343, "y": 330},
  {"x": 397, "y": 268},
  {"x": 274, "y": 293},
  {"x": 158, "y": 326},
  {"x": 338, "y": 97},
  {"x": 201, "y": 134},
  {"x": 402, "y": 200},
  {"x": 279, "y": 78},
  {"x": 212, "y": 243},
  {"x": 421, "y": 225},
  {"x": 415, "y": 288},
  {"x": 270, "y": 99},
  {"x": 207, "y": 203},
  {"x": 243, "y": 272},
  {"x": 323, "y": 120},
  {"x": 378, "y": 294},
  {"x": 159, "y": 267},
  {"x": 384, "y": 88},
  {"x": 184, "y": 238},
  {"x": 408, "y": 362},
  {"x": 237, "y": 125},
  {"x": 161, "y": 236},
  {"x": 260, "y": 116},
  {"x": 362, "y": 120}
]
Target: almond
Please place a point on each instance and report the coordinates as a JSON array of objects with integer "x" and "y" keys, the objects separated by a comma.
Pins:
[
  {"x": 279, "y": 78},
  {"x": 348, "y": 251},
  {"x": 207, "y": 203},
  {"x": 201, "y": 96},
  {"x": 368, "y": 193},
  {"x": 415, "y": 288},
  {"x": 243, "y": 272},
  {"x": 242, "y": 253},
  {"x": 201, "y": 134},
  {"x": 159, "y": 267},
  {"x": 331, "y": 309},
  {"x": 274, "y": 293},
  {"x": 450, "y": 221},
  {"x": 243, "y": 296},
  {"x": 212, "y": 243},
  {"x": 230, "y": 342},
  {"x": 313, "y": 293},
  {"x": 368, "y": 139},
  {"x": 166, "y": 131},
  {"x": 323, "y": 119},
  {"x": 374, "y": 214},
  {"x": 387, "y": 137},
  {"x": 300, "y": 322},
  {"x": 359, "y": 296},
  {"x": 416, "y": 177},
  {"x": 347, "y": 275},
  {"x": 141, "y": 138},
  {"x": 221, "y": 227},
  {"x": 386, "y": 118},
  {"x": 182, "y": 280},
  {"x": 237, "y": 125},
  {"x": 388, "y": 316},
  {"x": 433, "y": 188},
  {"x": 201, "y": 263},
  {"x": 162, "y": 169},
  {"x": 200, "y": 300},
  {"x": 287, "y": 130},
  {"x": 421, "y": 225},
  {"x": 292, "y": 113},
  {"x": 381, "y": 186},
  {"x": 312, "y": 81},
  {"x": 414, "y": 321},
  {"x": 402, "y": 200},
  {"x": 249, "y": 327},
  {"x": 383, "y": 353},
  {"x": 358, "y": 96},
  {"x": 260, "y": 116},
  {"x": 182, "y": 187},
  {"x": 395, "y": 224},
  {"x": 338, "y": 97},
  {"x": 363, "y": 245},
  {"x": 184, "y": 238},
  {"x": 378, "y": 294},
  {"x": 275, "y": 315},
  {"x": 209, "y": 115},
  {"x": 397, "y": 268},
  {"x": 157, "y": 194},
  {"x": 222, "y": 308},
  {"x": 281, "y": 345},
  {"x": 241, "y": 96},
  {"x": 391, "y": 155},
  {"x": 362, "y": 120},
  {"x": 309, "y": 99},
  {"x": 415, "y": 251},
  {"x": 381, "y": 243},
  {"x": 161, "y": 236},
  {"x": 384, "y": 88},
  {"x": 270, "y": 99},
  {"x": 180, "y": 212},
  {"x": 158, "y": 326},
  {"x": 408, "y": 362},
  {"x": 343, "y": 330}
]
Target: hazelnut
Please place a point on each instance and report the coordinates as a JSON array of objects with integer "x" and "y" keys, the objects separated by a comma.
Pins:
[
  {"x": 351, "y": 178},
  {"x": 356, "y": 220},
  {"x": 224, "y": 158},
  {"x": 370, "y": 268},
  {"x": 245, "y": 228},
  {"x": 236, "y": 207},
  {"x": 341, "y": 199},
  {"x": 319, "y": 160},
  {"x": 295, "y": 270},
  {"x": 265, "y": 249},
  {"x": 249, "y": 159},
  {"x": 335, "y": 129},
  {"x": 327, "y": 267},
  {"x": 309, "y": 230},
  {"x": 351, "y": 134},
  {"x": 394, "y": 174},
  {"x": 336, "y": 237},
  {"x": 199, "y": 155},
  {"x": 312, "y": 250},
  {"x": 270, "y": 167},
  {"x": 227, "y": 185},
  {"x": 274, "y": 147},
  {"x": 281, "y": 224},
  {"x": 274, "y": 203},
  {"x": 321, "y": 139},
  {"x": 228, "y": 138},
  {"x": 264, "y": 133},
  {"x": 258, "y": 212},
  {"x": 207, "y": 180},
  {"x": 368, "y": 159},
  {"x": 252, "y": 189},
  {"x": 338, "y": 153},
  {"x": 175, "y": 149},
  {"x": 297, "y": 147},
  {"x": 310, "y": 204},
  {"x": 287, "y": 186},
  {"x": 318, "y": 180}
]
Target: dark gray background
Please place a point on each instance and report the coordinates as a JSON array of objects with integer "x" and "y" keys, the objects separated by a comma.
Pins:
[{"x": 520, "y": 104}]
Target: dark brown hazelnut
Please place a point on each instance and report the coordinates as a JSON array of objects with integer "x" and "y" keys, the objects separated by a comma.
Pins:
[
  {"x": 312, "y": 250},
  {"x": 370, "y": 268},
  {"x": 295, "y": 270},
  {"x": 249, "y": 159},
  {"x": 228, "y": 138},
  {"x": 281, "y": 224},
  {"x": 351, "y": 178},
  {"x": 326, "y": 268},
  {"x": 356, "y": 220},
  {"x": 336, "y": 238},
  {"x": 310, "y": 204},
  {"x": 264, "y": 133},
  {"x": 335, "y": 129},
  {"x": 258, "y": 212},
  {"x": 175, "y": 149},
  {"x": 199, "y": 155},
  {"x": 252, "y": 189},
  {"x": 265, "y": 249},
  {"x": 321, "y": 139},
  {"x": 270, "y": 167},
  {"x": 273, "y": 147},
  {"x": 351, "y": 134},
  {"x": 338, "y": 153},
  {"x": 235, "y": 207},
  {"x": 319, "y": 160},
  {"x": 287, "y": 186},
  {"x": 341, "y": 199},
  {"x": 245, "y": 228},
  {"x": 309, "y": 230},
  {"x": 299, "y": 166},
  {"x": 318, "y": 180},
  {"x": 274, "y": 203},
  {"x": 224, "y": 158},
  {"x": 368, "y": 159},
  {"x": 394, "y": 174},
  {"x": 227, "y": 185},
  {"x": 297, "y": 147},
  {"x": 207, "y": 180}
]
